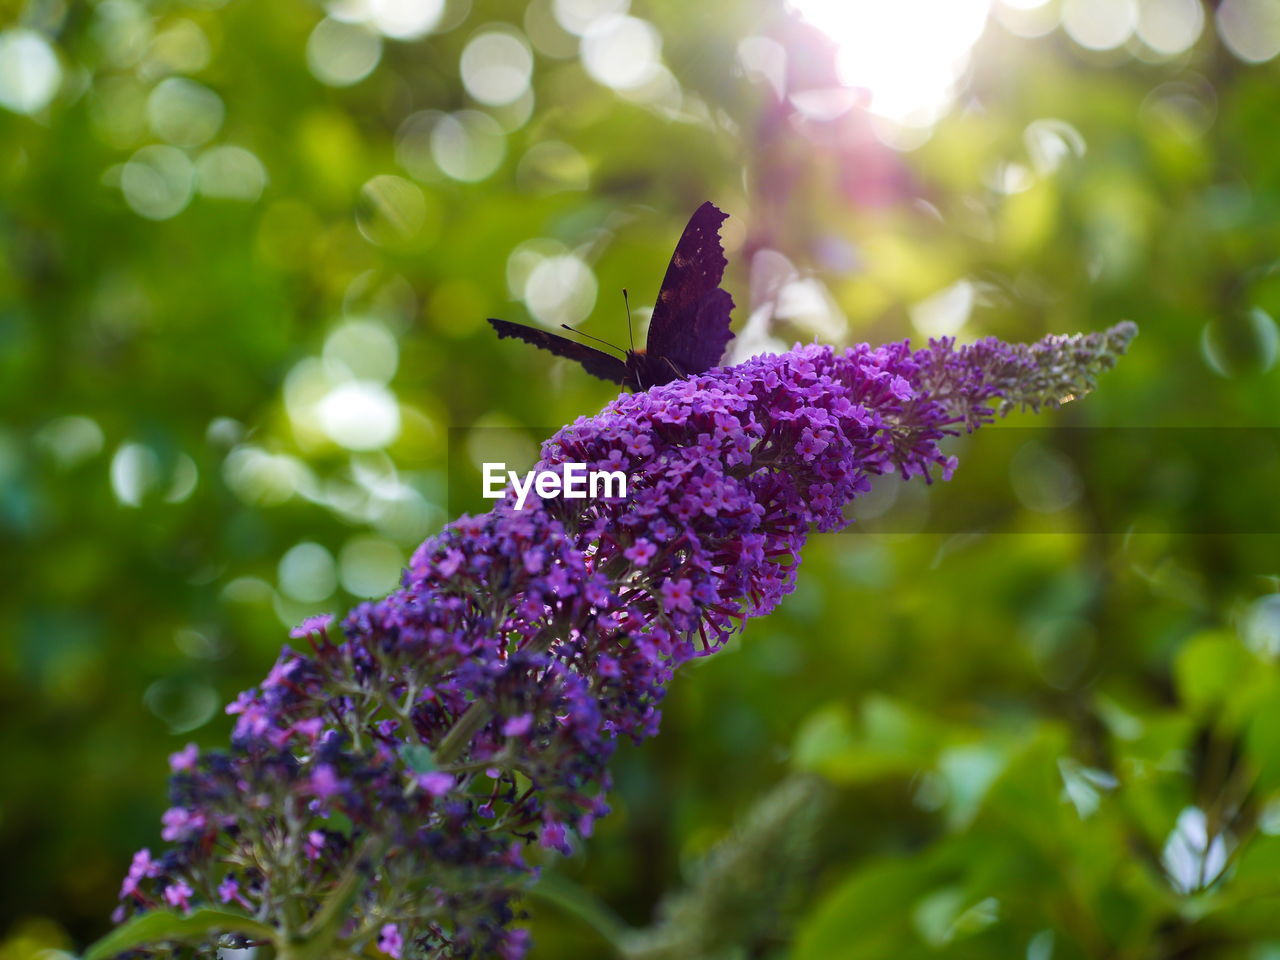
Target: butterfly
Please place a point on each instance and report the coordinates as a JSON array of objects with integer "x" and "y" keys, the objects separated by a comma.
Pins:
[{"x": 690, "y": 323}]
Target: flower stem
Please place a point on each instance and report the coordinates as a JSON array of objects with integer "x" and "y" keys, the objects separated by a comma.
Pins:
[{"x": 469, "y": 723}]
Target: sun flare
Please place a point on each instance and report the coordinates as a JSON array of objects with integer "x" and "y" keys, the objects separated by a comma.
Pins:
[{"x": 908, "y": 55}]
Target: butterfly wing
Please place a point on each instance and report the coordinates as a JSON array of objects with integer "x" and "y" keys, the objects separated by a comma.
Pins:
[
  {"x": 595, "y": 362},
  {"x": 690, "y": 324}
]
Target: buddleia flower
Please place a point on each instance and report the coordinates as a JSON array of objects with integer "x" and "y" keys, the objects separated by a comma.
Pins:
[{"x": 403, "y": 762}]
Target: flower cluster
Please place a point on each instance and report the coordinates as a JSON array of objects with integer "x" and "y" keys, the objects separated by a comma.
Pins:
[{"x": 473, "y": 711}]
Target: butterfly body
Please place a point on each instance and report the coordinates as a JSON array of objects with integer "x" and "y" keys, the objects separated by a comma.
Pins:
[{"x": 690, "y": 324}]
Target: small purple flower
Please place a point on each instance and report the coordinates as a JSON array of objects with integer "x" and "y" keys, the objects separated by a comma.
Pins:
[
  {"x": 309, "y": 728},
  {"x": 515, "y": 946},
  {"x": 437, "y": 782},
  {"x": 677, "y": 595},
  {"x": 518, "y": 726},
  {"x": 279, "y": 673},
  {"x": 179, "y": 823},
  {"x": 141, "y": 867},
  {"x": 324, "y": 782},
  {"x": 312, "y": 625},
  {"x": 228, "y": 890},
  {"x": 184, "y": 761},
  {"x": 254, "y": 718},
  {"x": 179, "y": 895},
  {"x": 640, "y": 552},
  {"x": 553, "y": 837},
  {"x": 314, "y": 845},
  {"x": 450, "y": 562},
  {"x": 390, "y": 942}
]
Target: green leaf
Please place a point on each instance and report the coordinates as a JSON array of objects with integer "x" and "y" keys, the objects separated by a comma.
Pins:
[
  {"x": 1262, "y": 737},
  {"x": 826, "y": 733},
  {"x": 893, "y": 740},
  {"x": 1212, "y": 667},
  {"x": 946, "y": 915},
  {"x": 419, "y": 758},
  {"x": 870, "y": 915},
  {"x": 157, "y": 926}
]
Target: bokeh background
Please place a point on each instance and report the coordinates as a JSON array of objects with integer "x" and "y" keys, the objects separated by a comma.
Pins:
[{"x": 248, "y": 252}]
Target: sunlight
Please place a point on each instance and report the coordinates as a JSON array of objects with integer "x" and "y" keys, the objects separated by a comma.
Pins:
[{"x": 907, "y": 55}]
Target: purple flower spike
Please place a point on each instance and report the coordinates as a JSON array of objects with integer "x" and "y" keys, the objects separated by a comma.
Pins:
[{"x": 523, "y": 644}]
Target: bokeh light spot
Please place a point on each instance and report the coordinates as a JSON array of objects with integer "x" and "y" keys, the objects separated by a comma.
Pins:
[
  {"x": 181, "y": 702},
  {"x": 230, "y": 173},
  {"x": 70, "y": 440},
  {"x": 577, "y": 16},
  {"x": 183, "y": 112},
  {"x": 1044, "y": 480},
  {"x": 1099, "y": 24},
  {"x": 265, "y": 479},
  {"x": 181, "y": 47},
  {"x": 391, "y": 210},
  {"x": 1260, "y": 628},
  {"x": 763, "y": 58},
  {"x": 183, "y": 480},
  {"x": 908, "y": 55},
  {"x": 560, "y": 289},
  {"x": 363, "y": 349},
  {"x": 1170, "y": 26},
  {"x": 135, "y": 472},
  {"x": 307, "y": 573},
  {"x": 158, "y": 182},
  {"x": 496, "y": 67},
  {"x": 360, "y": 415},
  {"x": 1250, "y": 28},
  {"x": 1240, "y": 344},
  {"x": 405, "y": 19},
  {"x": 413, "y": 145},
  {"x": 467, "y": 145},
  {"x": 370, "y": 566},
  {"x": 123, "y": 30},
  {"x": 341, "y": 54},
  {"x": 621, "y": 52},
  {"x": 1027, "y": 18},
  {"x": 29, "y": 71},
  {"x": 546, "y": 32},
  {"x": 945, "y": 313},
  {"x": 1050, "y": 142}
]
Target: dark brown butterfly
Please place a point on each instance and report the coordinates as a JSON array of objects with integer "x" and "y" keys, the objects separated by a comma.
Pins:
[{"x": 690, "y": 323}]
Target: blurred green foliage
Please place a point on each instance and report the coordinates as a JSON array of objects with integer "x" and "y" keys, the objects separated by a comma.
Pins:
[{"x": 248, "y": 250}]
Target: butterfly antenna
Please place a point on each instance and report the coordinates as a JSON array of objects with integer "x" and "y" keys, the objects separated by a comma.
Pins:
[
  {"x": 590, "y": 337},
  {"x": 626, "y": 300}
]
